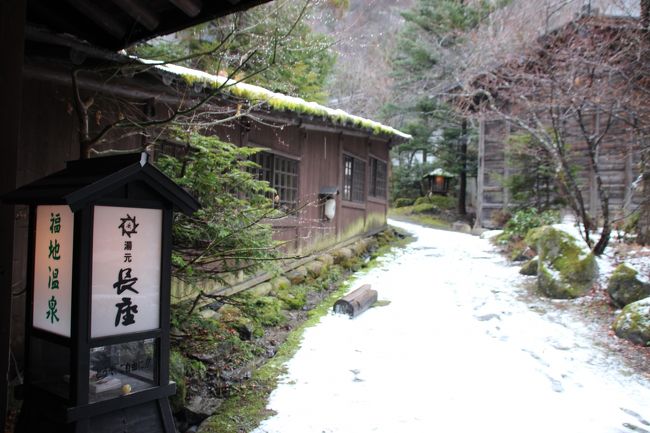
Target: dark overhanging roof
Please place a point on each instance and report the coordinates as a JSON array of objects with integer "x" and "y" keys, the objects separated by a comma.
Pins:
[
  {"x": 117, "y": 24},
  {"x": 83, "y": 181}
]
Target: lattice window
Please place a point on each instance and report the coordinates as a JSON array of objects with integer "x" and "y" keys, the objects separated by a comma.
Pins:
[
  {"x": 378, "y": 178},
  {"x": 281, "y": 174},
  {"x": 358, "y": 180},
  {"x": 347, "y": 178},
  {"x": 265, "y": 169},
  {"x": 354, "y": 179},
  {"x": 285, "y": 181}
]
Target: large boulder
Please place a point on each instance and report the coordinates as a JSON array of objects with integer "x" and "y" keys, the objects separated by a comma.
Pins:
[
  {"x": 624, "y": 287},
  {"x": 564, "y": 271},
  {"x": 634, "y": 322}
]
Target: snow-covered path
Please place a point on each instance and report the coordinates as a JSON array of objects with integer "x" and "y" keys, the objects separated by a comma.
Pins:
[{"x": 456, "y": 350}]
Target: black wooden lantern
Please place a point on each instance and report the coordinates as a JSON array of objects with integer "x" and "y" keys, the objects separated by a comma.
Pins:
[{"x": 97, "y": 320}]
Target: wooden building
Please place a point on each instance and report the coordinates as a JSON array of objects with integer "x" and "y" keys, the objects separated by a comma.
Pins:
[
  {"x": 311, "y": 150},
  {"x": 312, "y": 153},
  {"x": 618, "y": 155}
]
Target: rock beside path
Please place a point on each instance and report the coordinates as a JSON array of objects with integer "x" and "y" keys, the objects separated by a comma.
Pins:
[
  {"x": 634, "y": 322},
  {"x": 564, "y": 271},
  {"x": 625, "y": 288},
  {"x": 529, "y": 268}
]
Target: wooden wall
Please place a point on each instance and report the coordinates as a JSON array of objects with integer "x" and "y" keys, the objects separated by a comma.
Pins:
[
  {"x": 319, "y": 152},
  {"x": 618, "y": 162},
  {"x": 48, "y": 139}
]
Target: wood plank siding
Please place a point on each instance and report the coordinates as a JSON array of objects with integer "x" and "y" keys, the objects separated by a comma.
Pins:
[{"x": 618, "y": 162}]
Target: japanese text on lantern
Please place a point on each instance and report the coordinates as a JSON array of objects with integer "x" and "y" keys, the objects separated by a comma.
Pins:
[
  {"x": 53, "y": 269},
  {"x": 53, "y": 256},
  {"x": 127, "y": 246},
  {"x": 126, "y": 309}
]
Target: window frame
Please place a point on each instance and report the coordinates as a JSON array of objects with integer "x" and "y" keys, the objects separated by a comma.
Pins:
[
  {"x": 282, "y": 174},
  {"x": 378, "y": 187},
  {"x": 354, "y": 179}
]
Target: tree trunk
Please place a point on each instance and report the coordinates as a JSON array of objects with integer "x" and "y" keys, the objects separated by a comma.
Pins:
[
  {"x": 462, "y": 184},
  {"x": 645, "y": 13},
  {"x": 600, "y": 246},
  {"x": 643, "y": 225}
]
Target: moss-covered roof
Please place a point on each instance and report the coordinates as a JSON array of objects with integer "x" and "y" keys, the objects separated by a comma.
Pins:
[{"x": 276, "y": 101}]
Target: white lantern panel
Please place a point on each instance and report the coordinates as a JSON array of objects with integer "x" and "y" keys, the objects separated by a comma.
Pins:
[
  {"x": 126, "y": 264},
  {"x": 52, "y": 306}
]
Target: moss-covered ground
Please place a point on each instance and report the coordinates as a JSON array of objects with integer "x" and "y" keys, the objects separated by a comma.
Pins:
[{"x": 246, "y": 408}]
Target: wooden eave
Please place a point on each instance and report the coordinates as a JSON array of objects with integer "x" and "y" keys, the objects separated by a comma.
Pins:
[
  {"x": 117, "y": 24},
  {"x": 51, "y": 57}
]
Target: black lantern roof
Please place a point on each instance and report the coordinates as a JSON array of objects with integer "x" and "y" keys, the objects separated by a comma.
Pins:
[{"x": 84, "y": 181}]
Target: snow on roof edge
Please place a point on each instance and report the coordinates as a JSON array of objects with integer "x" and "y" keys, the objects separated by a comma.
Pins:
[
  {"x": 440, "y": 172},
  {"x": 275, "y": 100}
]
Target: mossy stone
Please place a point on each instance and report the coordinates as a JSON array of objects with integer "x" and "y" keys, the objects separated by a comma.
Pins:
[
  {"x": 529, "y": 268},
  {"x": 245, "y": 327},
  {"x": 359, "y": 247},
  {"x": 293, "y": 297},
  {"x": 315, "y": 268},
  {"x": 634, "y": 322},
  {"x": 327, "y": 259},
  {"x": 624, "y": 287},
  {"x": 262, "y": 289},
  {"x": 209, "y": 314},
  {"x": 562, "y": 272},
  {"x": 298, "y": 275},
  {"x": 342, "y": 255},
  {"x": 280, "y": 283},
  {"x": 372, "y": 244},
  {"x": 268, "y": 311},
  {"x": 229, "y": 313},
  {"x": 552, "y": 244}
]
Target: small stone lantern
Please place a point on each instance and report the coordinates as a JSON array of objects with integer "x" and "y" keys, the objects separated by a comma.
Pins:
[{"x": 98, "y": 300}]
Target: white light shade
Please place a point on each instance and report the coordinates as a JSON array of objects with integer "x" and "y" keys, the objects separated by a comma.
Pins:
[
  {"x": 330, "y": 208},
  {"x": 126, "y": 263},
  {"x": 53, "y": 269}
]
